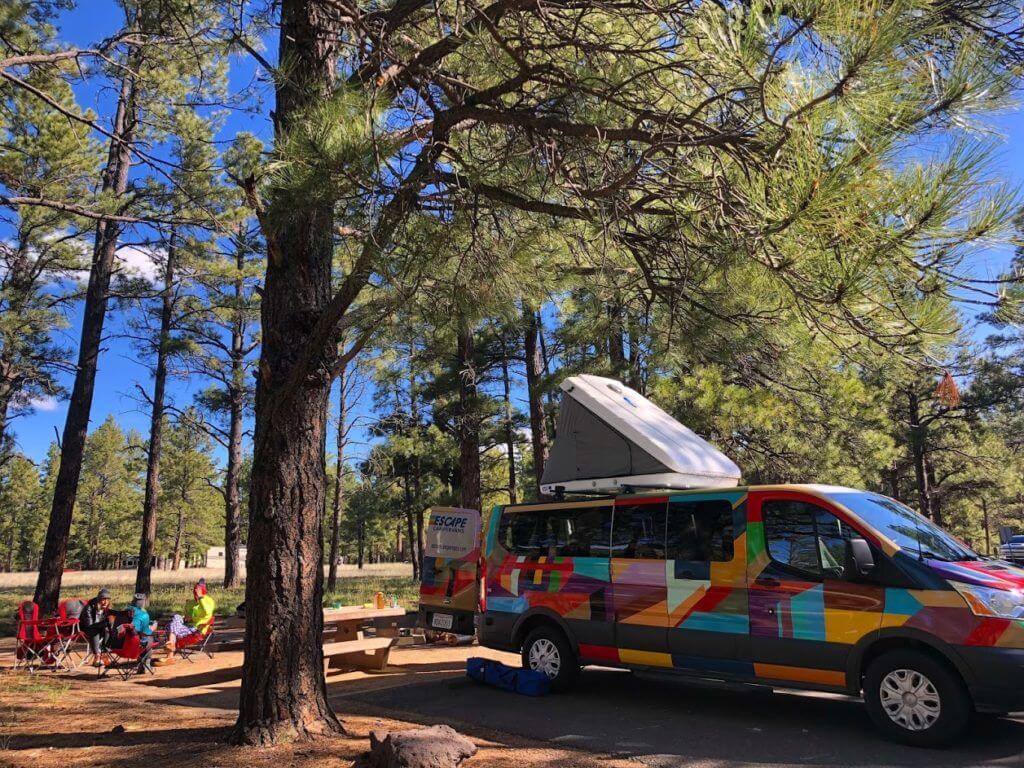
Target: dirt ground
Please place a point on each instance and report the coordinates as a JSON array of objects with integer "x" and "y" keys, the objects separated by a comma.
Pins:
[{"x": 180, "y": 718}]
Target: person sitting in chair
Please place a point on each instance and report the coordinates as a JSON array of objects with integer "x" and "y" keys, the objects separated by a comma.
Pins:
[
  {"x": 191, "y": 628},
  {"x": 141, "y": 622},
  {"x": 94, "y": 622}
]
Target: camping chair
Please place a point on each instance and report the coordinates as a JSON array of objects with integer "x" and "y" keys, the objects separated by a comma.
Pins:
[
  {"x": 71, "y": 647},
  {"x": 124, "y": 649},
  {"x": 35, "y": 639},
  {"x": 198, "y": 646}
]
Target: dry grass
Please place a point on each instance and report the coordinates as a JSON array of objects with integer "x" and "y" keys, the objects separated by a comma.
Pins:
[
  {"x": 183, "y": 576},
  {"x": 354, "y": 588}
]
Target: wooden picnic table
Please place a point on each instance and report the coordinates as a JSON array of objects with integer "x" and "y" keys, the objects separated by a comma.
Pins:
[{"x": 344, "y": 643}]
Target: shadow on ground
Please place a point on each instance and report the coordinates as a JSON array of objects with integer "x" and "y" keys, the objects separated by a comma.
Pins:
[{"x": 663, "y": 722}]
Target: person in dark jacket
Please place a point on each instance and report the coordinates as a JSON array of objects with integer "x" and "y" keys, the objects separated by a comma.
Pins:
[{"x": 95, "y": 623}]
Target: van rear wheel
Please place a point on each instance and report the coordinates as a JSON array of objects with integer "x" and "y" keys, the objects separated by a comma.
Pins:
[
  {"x": 547, "y": 650},
  {"x": 916, "y": 699}
]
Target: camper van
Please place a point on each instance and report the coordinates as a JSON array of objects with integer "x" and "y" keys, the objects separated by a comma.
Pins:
[{"x": 802, "y": 586}]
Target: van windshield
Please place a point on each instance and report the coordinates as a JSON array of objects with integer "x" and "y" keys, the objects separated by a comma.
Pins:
[{"x": 915, "y": 534}]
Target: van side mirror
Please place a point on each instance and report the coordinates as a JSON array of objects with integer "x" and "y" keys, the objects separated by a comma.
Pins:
[{"x": 859, "y": 560}]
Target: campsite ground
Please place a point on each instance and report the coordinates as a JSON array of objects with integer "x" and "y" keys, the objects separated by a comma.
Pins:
[{"x": 615, "y": 719}]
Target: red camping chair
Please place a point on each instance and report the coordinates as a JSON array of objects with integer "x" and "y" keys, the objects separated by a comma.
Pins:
[
  {"x": 197, "y": 643},
  {"x": 35, "y": 639},
  {"x": 72, "y": 646},
  {"x": 125, "y": 652}
]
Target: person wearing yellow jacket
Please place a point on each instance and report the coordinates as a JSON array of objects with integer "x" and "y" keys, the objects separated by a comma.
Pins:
[{"x": 194, "y": 625}]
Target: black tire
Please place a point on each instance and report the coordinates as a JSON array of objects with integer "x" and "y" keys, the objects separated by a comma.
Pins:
[
  {"x": 937, "y": 690},
  {"x": 559, "y": 654}
]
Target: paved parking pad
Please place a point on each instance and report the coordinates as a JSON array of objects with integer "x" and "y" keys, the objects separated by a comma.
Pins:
[{"x": 663, "y": 722}]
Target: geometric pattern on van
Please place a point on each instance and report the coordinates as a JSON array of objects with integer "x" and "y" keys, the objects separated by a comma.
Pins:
[
  {"x": 944, "y": 613},
  {"x": 448, "y": 582},
  {"x": 984, "y": 573},
  {"x": 571, "y": 587},
  {"x": 712, "y": 596}
]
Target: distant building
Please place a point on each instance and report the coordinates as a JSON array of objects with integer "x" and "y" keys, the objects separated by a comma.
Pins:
[{"x": 215, "y": 557}]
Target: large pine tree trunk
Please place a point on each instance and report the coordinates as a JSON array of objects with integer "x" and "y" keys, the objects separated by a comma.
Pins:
[
  {"x": 469, "y": 419},
  {"x": 283, "y": 695},
  {"x": 534, "y": 372},
  {"x": 76, "y": 424},
  {"x": 236, "y": 399},
  {"x": 339, "y": 488},
  {"x": 156, "y": 426}
]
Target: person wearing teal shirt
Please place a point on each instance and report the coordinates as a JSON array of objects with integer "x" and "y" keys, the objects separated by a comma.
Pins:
[{"x": 140, "y": 618}]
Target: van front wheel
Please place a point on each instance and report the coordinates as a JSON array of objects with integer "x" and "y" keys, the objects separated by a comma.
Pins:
[
  {"x": 547, "y": 650},
  {"x": 915, "y": 699}
]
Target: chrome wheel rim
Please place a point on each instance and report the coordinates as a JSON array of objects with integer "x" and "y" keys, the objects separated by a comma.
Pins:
[
  {"x": 910, "y": 699},
  {"x": 544, "y": 657}
]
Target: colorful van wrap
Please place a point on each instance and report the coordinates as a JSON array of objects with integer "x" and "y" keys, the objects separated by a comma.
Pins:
[{"x": 743, "y": 614}]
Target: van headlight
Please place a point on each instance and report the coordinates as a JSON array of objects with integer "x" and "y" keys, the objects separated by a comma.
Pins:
[{"x": 985, "y": 601}]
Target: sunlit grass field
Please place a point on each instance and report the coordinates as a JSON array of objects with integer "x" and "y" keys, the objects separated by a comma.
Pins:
[{"x": 170, "y": 598}]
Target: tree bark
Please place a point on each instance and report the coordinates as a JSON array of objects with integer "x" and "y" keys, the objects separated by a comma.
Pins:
[
  {"x": 510, "y": 437},
  {"x": 76, "y": 424},
  {"x": 339, "y": 489},
  {"x": 283, "y": 695},
  {"x": 469, "y": 419},
  {"x": 236, "y": 399},
  {"x": 534, "y": 372},
  {"x": 918, "y": 453},
  {"x": 151, "y": 500},
  {"x": 410, "y": 528}
]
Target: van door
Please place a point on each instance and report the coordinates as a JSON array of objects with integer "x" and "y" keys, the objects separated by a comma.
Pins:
[
  {"x": 638, "y": 581},
  {"x": 706, "y": 579},
  {"x": 450, "y": 576},
  {"x": 806, "y": 613}
]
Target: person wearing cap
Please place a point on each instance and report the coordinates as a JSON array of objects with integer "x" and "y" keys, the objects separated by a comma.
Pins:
[
  {"x": 94, "y": 622},
  {"x": 193, "y": 626}
]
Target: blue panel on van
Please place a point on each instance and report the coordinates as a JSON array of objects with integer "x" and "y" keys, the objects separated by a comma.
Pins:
[
  {"x": 901, "y": 602},
  {"x": 507, "y": 604},
  {"x": 592, "y": 567},
  {"x": 807, "y": 612},
  {"x": 735, "y": 623}
]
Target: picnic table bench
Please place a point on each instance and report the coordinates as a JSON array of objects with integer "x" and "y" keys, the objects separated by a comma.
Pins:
[{"x": 345, "y": 646}]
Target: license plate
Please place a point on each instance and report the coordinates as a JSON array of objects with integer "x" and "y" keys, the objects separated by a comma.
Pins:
[{"x": 442, "y": 620}]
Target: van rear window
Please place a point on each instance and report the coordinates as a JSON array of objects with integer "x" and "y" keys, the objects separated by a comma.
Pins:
[{"x": 574, "y": 532}]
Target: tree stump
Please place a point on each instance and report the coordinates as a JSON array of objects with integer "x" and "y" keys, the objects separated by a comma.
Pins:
[{"x": 436, "y": 747}]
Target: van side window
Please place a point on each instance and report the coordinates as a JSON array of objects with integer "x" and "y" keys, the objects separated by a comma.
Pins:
[
  {"x": 700, "y": 531},
  {"x": 805, "y": 538},
  {"x": 639, "y": 531},
  {"x": 582, "y": 532},
  {"x": 520, "y": 533}
]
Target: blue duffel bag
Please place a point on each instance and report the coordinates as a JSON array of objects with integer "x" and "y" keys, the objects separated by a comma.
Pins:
[
  {"x": 533, "y": 683},
  {"x": 524, "y": 681},
  {"x": 475, "y": 668}
]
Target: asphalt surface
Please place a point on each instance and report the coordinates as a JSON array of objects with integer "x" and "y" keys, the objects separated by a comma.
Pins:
[{"x": 665, "y": 722}]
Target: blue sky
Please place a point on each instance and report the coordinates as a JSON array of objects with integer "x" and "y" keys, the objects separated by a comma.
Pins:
[{"x": 119, "y": 368}]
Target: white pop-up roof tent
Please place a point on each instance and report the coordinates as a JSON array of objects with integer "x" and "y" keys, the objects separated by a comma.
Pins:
[{"x": 610, "y": 436}]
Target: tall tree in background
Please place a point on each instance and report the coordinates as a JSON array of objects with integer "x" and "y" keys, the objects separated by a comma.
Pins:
[
  {"x": 192, "y": 180},
  {"x": 152, "y": 68},
  {"x": 43, "y": 156},
  {"x": 222, "y": 335}
]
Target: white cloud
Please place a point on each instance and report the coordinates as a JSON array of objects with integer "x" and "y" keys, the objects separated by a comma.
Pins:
[
  {"x": 140, "y": 262},
  {"x": 44, "y": 403}
]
